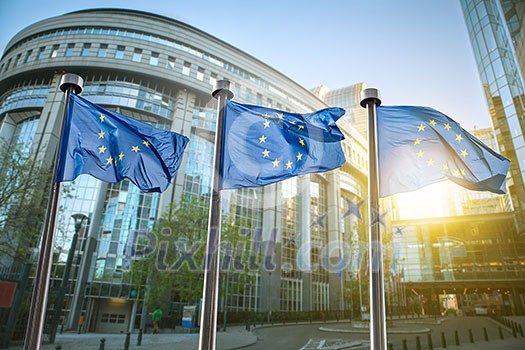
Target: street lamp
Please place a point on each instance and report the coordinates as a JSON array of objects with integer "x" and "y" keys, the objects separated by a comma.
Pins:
[{"x": 79, "y": 221}]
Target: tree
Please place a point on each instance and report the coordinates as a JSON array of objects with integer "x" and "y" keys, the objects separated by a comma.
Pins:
[
  {"x": 172, "y": 265},
  {"x": 24, "y": 189}
]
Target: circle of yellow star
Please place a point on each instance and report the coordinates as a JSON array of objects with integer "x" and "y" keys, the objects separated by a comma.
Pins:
[
  {"x": 262, "y": 139},
  {"x": 102, "y": 149},
  {"x": 417, "y": 141},
  {"x": 301, "y": 142},
  {"x": 464, "y": 153},
  {"x": 447, "y": 126},
  {"x": 459, "y": 138},
  {"x": 299, "y": 156},
  {"x": 421, "y": 127},
  {"x": 145, "y": 143},
  {"x": 430, "y": 162},
  {"x": 280, "y": 115},
  {"x": 120, "y": 156},
  {"x": 301, "y": 127},
  {"x": 266, "y": 124},
  {"x": 109, "y": 160},
  {"x": 420, "y": 154},
  {"x": 102, "y": 118},
  {"x": 266, "y": 153},
  {"x": 276, "y": 163},
  {"x": 101, "y": 134},
  {"x": 432, "y": 122},
  {"x": 289, "y": 164},
  {"x": 445, "y": 167},
  {"x": 135, "y": 148}
]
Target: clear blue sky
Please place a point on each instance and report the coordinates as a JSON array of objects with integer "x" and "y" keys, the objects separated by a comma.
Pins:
[{"x": 415, "y": 52}]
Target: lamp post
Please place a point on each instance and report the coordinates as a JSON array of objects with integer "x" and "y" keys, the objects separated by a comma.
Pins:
[{"x": 79, "y": 221}]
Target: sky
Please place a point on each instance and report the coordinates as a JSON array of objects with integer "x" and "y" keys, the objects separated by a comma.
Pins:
[{"x": 415, "y": 52}]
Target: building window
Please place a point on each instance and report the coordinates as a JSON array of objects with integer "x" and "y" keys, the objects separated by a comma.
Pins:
[
  {"x": 8, "y": 64},
  {"x": 119, "y": 54},
  {"x": 70, "y": 49},
  {"x": 154, "y": 59},
  {"x": 28, "y": 56},
  {"x": 186, "y": 68},
  {"x": 213, "y": 79},
  {"x": 200, "y": 73},
  {"x": 137, "y": 55},
  {"x": 259, "y": 99},
  {"x": 17, "y": 60},
  {"x": 54, "y": 51},
  {"x": 171, "y": 63},
  {"x": 85, "y": 49},
  {"x": 103, "y": 50},
  {"x": 40, "y": 53}
]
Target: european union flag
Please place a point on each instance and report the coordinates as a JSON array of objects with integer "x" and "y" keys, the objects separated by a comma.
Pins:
[
  {"x": 265, "y": 145},
  {"x": 111, "y": 147},
  {"x": 418, "y": 146}
]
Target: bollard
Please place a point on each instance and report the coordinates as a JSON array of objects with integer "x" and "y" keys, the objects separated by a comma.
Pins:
[
  {"x": 456, "y": 335},
  {"x": 126, "y": 342},
  {"x": 247, "y": 326},
  {"x": 58, "y": 347},
  {"x": 485, "y": 334},
  {"x": 390, "y": 346},
  {"x": 443, "y": 340},
  {"x": 139, "y": 338},
  {"x": 514, "y": 334},
  {"x": 470, "y": 335},
  {"x": 520, "y": 329},
  {"x": 102, "y": 345},
  {"x": 430, "y": 345},
  {"x": 418, "y": 343},
  {"x": 405, "y": 347},
  {"x": 501, "y": 333}
]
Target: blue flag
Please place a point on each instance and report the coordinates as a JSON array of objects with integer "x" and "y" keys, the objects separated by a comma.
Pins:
[
  {"x": 418, "y": 146},
  {"x": 265, "y": 145},
  {"x": 111, "y": 147}
]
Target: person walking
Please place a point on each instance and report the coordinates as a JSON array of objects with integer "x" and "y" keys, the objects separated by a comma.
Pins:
[{"x": 156, "y": 317}]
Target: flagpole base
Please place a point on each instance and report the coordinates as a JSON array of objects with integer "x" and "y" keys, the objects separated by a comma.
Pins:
[
  {"x": 370, "y": 95},
  {"x": 73, "y": 82}
]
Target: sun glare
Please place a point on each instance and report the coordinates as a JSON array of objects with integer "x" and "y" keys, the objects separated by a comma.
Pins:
[{"x": 428, "y": 202}]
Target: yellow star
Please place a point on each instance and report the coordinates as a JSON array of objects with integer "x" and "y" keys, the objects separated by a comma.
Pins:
[
  {"x": 462, "y": 171},
  {"x": 456, "y": 173},
  {"x": 276, "y": 163},
  {"x": 135, "y": 148},
  {"x": 299, "y": 156},
  {"x": 464, "y": 152},
  {"x": 432, "y": 122},
  {"x": 266, "y": 115},
  {"x": 301, "y": 141},
  {"x": 421, "y": 127},
  {"x": 120, "y": 156},
  {"x": 417, "y": 142},
  {"x": 292, "y": 122},
  {"x": 102, "y": 118},
  {"x": 430, "y": 162},
  {"x": 109, "y": 160},
  {"x": 262, "y": 139},
  {"x": 459, "y": 138},
  {"x": 102, "y": 149},
  {"x": 289, "y": 164},
  {"x": 301, "y": 127},
  {"x": 447, "y": 126},
  {"x": 101, "y": 134},
  {"x": 280, "y": 115},
  {"x": 420, "y": 154},
  {"x": 266, "y": 124},
  {"x": 146, "y": 143},
  {"x": 266, "y": 153},
  {"x": 445, "y": 167}
]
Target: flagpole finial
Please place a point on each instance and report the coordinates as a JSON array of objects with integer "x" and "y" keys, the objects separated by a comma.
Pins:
[
  {"x": 370, "y": 95},
  {"x": 222, "y": 86},
  {"x": 73, "y": 81}
]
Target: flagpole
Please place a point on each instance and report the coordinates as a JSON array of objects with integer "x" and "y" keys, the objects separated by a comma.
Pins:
[
  {"x": 208, "y": 330},
  {"x": 35, "y": 324},
  {"x": 370, "y": 100}
]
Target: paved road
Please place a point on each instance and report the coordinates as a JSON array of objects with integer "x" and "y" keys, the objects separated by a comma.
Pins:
[{"x": 294, "y": 337}]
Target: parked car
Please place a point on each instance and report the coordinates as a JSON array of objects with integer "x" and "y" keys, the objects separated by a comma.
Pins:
[{"x": 482, "y": 310}]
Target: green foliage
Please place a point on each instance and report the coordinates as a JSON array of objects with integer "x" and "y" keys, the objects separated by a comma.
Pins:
[{"x": 24, "y": 190}]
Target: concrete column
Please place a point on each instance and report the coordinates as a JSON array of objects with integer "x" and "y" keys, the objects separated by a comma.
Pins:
[
  {"x": 335, "y": 248},
  {"x": 271, "y": 257},
  {"x": 304, "y": 241}
]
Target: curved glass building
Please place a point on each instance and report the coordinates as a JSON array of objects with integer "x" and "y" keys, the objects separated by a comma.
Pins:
[{"x": 161, "y": 71}]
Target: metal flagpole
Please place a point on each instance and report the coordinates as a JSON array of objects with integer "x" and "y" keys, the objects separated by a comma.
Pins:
[
  {"x": 35, "y": 323},
  {"x": 370, "y": 100},
  {"x": 207, "y": 337}
]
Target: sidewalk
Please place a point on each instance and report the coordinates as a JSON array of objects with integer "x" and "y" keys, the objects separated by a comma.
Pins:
[{"x": 234, "y": 338}]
